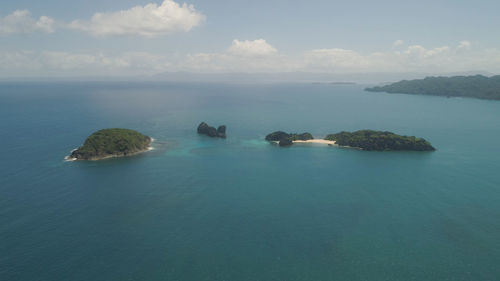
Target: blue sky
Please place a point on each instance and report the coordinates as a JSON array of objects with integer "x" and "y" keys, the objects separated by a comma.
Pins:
[{"x": 131, "y": 37}]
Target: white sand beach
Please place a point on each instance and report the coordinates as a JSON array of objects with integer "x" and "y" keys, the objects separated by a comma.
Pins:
[
  {"x": 316, "y": 141},
  {"x": 313, "y": 141}
]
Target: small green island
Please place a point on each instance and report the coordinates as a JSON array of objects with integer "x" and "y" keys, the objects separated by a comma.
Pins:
[
  {"x": 285, "y": 139},
  {"x": 477, "y": 86},
  {"x": 109, "y": 143},
  {"x": 379, "y": 141}
]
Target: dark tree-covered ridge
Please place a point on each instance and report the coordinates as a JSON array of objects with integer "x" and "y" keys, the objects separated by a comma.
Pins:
[
  {"x": 477, "y": 86},
  {"x": 380, "y": 141}
]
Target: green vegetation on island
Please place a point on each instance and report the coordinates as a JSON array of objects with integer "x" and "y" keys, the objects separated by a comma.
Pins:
[
  {"x": 112, "y": 143},
  {"x": 379, "y": 141},
  {"x": 302, "y": 137},
  {"x": 477, "y": 86},
  {"x": 285, "y": 139}
]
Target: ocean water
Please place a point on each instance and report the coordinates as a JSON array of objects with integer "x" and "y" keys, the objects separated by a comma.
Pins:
[{"x": 198, "y": 209}]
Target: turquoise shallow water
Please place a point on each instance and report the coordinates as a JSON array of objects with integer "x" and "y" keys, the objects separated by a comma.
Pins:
[{"x": 241, "y": 209}]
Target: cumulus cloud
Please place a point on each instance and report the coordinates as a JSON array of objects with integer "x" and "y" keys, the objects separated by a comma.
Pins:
[
  {"x": 226, "y": 62},
  {"x": 250, "y": 57},
  {"x": 241, "y": 56},
  {"x": 253, "y": 48},
  {"x": 259, "y": 56},
  {"x": 414, "y": 58},
  {"x": 398, "y": 43},
  {"x": 465, "y": 45},
  {"x": 335, "y": 59},
  {"x": 418, "y": 58},
  {"x": 73, "y": 63},
  {"x": 151, "y": 20},
  {"x": 21, "y": 21}
]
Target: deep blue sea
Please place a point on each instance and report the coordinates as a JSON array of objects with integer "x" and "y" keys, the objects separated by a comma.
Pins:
[{"x": 240, "y": 209}]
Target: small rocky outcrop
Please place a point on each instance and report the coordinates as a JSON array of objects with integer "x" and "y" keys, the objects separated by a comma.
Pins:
[
  {"x": 221, "y": 131},
  {"x": 205, "y": 129},
  {"x": 285, "y": 142}
]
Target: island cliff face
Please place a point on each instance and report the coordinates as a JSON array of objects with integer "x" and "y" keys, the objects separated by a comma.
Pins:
[
  {"x": 380, "y": 141},
  {"x": 205, "y": 129},
  {"x": 108, "y": 143},
  {"x": 285, "y": 139}
]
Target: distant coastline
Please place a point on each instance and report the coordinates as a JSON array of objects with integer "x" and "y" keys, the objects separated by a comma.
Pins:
[{"x": 478, "y": 86}]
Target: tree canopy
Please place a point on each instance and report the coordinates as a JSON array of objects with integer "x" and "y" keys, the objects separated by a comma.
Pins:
[
  {"x": 380, "y": 141},
  {"x": 112, "y": 142}
]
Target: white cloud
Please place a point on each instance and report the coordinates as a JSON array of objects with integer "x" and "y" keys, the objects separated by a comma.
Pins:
[
  {"x": 12, "y": 62},
  {"x": 226, "y": 62},
  {"x": 259, "y": 56},
  {"x": 47, "y": 63},
  {"x": 411, "y": 59},
  {"x": 75, "y": 61},
  {"x": 398, "y": 43},
  {"x": 21, "y": 21},
  {"x": 421, "y": 52},
  {"x": 414, "y": 59},
  {"x": 242, "y": 56},
  {"x": 465, "y": 45},
  {"x": 335, "y": 60},
  {"x": 150, "y": 20},
  {"x": 248, "y": 48}
]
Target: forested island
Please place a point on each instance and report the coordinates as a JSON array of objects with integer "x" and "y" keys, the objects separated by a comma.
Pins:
[
  {"x": 363, "y": 139},
  {"x": 379, "y": 141},
  {"x": 108, "y": 143},
  {"x": 477, "y": 86}
]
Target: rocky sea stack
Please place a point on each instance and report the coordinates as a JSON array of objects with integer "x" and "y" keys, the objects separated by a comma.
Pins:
[
  {"x": 108, "y": 143},
  {"x": 205, "y": 129},
  {"x": 285, "y": 139}
]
